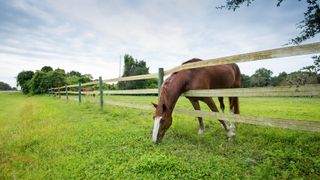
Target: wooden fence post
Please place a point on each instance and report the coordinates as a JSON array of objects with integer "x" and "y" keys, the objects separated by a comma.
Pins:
[
  {"x": 101, "y": 93},
  {"x": 67, "y": 95},
  {"x": 79, "y": 92},
  {"x": 160, "y": 80},
  {"x": 59, "y": 93}
]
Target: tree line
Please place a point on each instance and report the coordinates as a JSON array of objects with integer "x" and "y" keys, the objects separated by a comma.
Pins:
[
  {"x": 263, "y": 77},
  {"x": 40, "y": 81},
  {"x": 6, "y": 87}
]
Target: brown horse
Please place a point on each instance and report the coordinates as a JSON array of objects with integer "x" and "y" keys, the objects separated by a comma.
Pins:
[{"x": 214, "y": 77}]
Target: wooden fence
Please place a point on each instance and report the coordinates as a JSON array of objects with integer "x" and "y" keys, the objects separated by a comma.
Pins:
[{"x": 305, "y": 90}]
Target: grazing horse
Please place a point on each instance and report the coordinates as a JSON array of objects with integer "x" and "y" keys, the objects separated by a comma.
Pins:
[{"x": 214, "y": 77}]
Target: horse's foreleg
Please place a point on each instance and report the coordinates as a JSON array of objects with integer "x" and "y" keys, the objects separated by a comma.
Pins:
[
  {"x": 221, "y": 104},
  {"x": 196, "y": 106},
  {"x": 214, "y": 108},
  {"x": 234, "y": 108}
]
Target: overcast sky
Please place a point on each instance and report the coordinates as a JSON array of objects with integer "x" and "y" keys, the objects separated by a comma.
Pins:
[{"x": 90, "y": 36}]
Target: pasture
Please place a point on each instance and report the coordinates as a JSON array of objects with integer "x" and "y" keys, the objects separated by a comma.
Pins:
[{"x": 48, "y": 138}]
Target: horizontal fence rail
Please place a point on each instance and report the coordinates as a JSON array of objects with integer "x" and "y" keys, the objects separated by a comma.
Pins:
[
  {"x": 302, "y": 90},
  {"x": 132, "y": 78},
  {"x": 306, "y": 125},
  {"x": 133, "y": 91},
  {"x": 253, "y": 56}
]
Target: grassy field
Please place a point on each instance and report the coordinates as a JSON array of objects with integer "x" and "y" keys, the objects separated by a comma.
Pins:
[{"x": 43, "y": 137}]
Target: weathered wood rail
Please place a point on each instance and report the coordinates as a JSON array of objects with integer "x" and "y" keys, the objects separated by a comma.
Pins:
[
  {"x": 306, "y": 125},
  {"x": 305, "y": 90}
]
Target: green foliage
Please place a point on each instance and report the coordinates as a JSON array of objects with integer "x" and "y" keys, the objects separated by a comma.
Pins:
[
  {"x": 245, "y": 81},
  {"x": 279, "y": 80},
  {"x": 5, "y": 86},
  {"x": 46, "y": 138},
  {"x": 23, "y": 80},
  {"x": 41, "y": 81},
  {"x": 56, "y": 78},
  {"x": 135, "y": 67},
  {"x": 300, "y": 78},
  {"x": 46, "y": 69},
  {"x": 75, "y": 77},
  {"x": 309, "y": 26},
  {"x": 261, "y": 78},
  {"x": 313, "y": 70},
  {"x": 74, "y": 73}
]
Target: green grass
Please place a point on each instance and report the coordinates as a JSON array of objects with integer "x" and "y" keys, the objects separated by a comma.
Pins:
[{"x": 43, "y": 137}]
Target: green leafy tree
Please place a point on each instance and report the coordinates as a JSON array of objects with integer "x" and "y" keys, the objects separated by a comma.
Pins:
[
  {"x": 134, "y": 67},
  {"x": 24, "y": 79},
  {"x": 42, "y": 81},
  {"x": 4, "y": 86},
  {"x": 85, "y": 78},
  {"x": 279, "y": 80},
  {"x": 46, "y": 69},
  {"x": 55, "y": 78},
  {"x": 261, "y": 78},
  {"x": 300, "y": 78},
  {"x": 74, "y": 73},
  {"x": 39, "y": 83},
  {"x": 313, "y": 71},
  {"x": 245, "y": 81},
  {"x": 75, "y": 77},
  {"x": 309, "y": 26}
]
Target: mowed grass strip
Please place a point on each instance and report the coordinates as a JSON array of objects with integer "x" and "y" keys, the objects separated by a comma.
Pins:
[{"x": 43, "y": 137}]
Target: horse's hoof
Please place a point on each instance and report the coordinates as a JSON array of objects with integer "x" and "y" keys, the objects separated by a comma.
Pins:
[
  {"x": 201, "y": 131},
  {"x": 231, "y": 135}
]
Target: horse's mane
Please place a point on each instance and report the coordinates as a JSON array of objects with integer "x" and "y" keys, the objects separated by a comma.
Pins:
[
  {"x": 192, "y": 60},
  {"x": 170, "y": 79}
]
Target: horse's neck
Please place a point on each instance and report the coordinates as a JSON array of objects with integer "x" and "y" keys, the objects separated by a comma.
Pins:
[{"x": 172, "y": 94}]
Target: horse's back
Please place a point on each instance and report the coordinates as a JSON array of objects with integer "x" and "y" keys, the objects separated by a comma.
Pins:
[{"x": 213, "y": 77}]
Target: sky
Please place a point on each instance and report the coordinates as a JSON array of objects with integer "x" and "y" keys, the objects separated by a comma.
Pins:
[{"x": 91, "y": 36}]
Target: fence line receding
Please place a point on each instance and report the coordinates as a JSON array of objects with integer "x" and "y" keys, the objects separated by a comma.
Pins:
[{"x": 302, "y": 90}]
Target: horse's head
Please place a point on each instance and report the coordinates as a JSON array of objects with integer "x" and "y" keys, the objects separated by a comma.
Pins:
[{"x": 162, "y": 121}]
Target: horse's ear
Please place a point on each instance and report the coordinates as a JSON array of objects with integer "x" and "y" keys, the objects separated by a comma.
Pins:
[
  {"x": 154, "y": 105},
  {"x": 164, "y": 108}
]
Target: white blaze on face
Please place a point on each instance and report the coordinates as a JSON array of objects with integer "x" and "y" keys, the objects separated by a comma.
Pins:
[{"x": 156, "y": 128}]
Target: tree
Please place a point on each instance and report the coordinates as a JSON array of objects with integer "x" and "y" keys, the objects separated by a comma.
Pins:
[
  {"x": 23, "y": 80},
  {"x": 38, "y": 83},
  {"x": 314, "y": 70},
  {"x": 261, "y": 78},
  {"x": 309, "y": 26},
  {"x": 55, "y": 78},
  {"x": 279, "y": 80},
  {"x": 75, "y": 77},
  {"x": 85, "y": 78},
  {"x": 134, "y": 67},
  {"x": 74, "y": 73},
  {"x": 46, "y": 69},
  {"x": 62, "y": 71},
  {"x": 300, "y": 78},
  {"x": 5, "y": 86},
  {"x": 42, "y": 81},
  {"x": 245, "y": 81}
]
